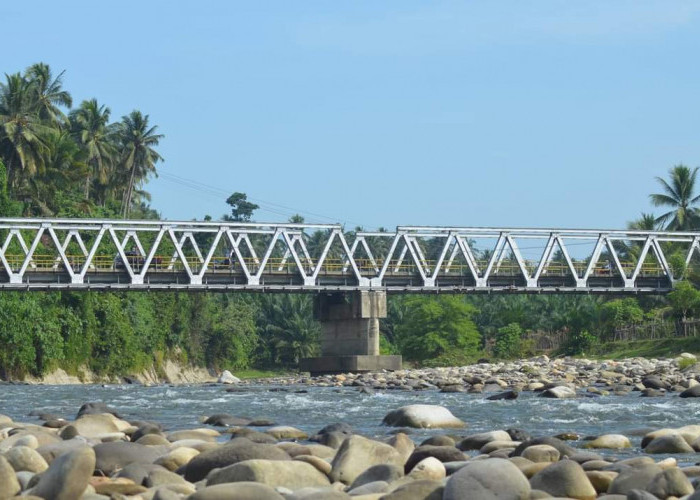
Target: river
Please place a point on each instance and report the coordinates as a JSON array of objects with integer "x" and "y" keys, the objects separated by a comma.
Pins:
[{"x": 178, "y": 407}]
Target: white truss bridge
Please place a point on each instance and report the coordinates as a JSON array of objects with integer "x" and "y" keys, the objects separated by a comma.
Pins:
[{"x": 79, "y": 254}]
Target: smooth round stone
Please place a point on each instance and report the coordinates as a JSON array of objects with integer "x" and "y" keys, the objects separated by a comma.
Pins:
[
  {"x": 489, "y": 478},
  {"x": 541, "y": 453},
  {"x": 564, "y": 479},
  {"x": 610, "y": 441}
]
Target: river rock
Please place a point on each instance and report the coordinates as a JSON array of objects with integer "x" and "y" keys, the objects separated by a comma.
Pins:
[
  {"x": 670, "y": 483},
  {"x": 111, "y": 457},
  {"x": 564, "y": 479},
  {"x": 237, "y": 491},
  {"x": 234, "y": 451},
  {"x": 442, "y": 453},
  {"x": 477, "y": 441},
  {"x": 439, "y": 441},
  {"x": 317, "y": 462},
  {"x": 559, "y": 392},
  {"x": 93, "y": 425},
  {"x": 159, "y": 477},
  {"x": 422, "y": 416},
  {"x": 654, "y": 382},
  {"x": 208, "y": 435},
  {"x": 564, "y": 449},
  {"x": 492, "y": 478},
  {"x": 357, "y": 454},
  {"x": 691, "y": 392},
  {"x": 226, "y": 420},
  {"x": 152, "y": 440},
  {"x": 67, "y": 476},
  {"x": 95, "y": 408},
  {"x": 429, "y": 468},
  {"x": 403, "y": 444},
  {"x": 669, "y": 443},
  {"x": 375, "y": 488},
  {"x": 611, "y": 441},
  {"x": 228, "y": 378},
  {"x": 9, "y": 485},
  {"x": 286, "y": 432},
  {"x": 505, "y": 395},
  {"x": 176, "y": 458},
  {"x": 292, "y": 474},
  {"x": 541, "y": 453},
  {"x": 382, "y": 472},
  {"x": 24, "y": 458},
  {"x": 633, "y": 478},
  {"x": 601, "y": 479}
]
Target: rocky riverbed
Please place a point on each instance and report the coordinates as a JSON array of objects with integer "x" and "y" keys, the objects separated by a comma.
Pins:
[{"x": 555, "y": 429}]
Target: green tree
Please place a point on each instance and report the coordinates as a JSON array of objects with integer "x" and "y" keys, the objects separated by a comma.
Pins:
[
  {"x": 621, "y": 312},
  {"x": 508, "y": 340},
  {"x": 679, "y": 195},
  {"x": 434, "y": 326},
  {"x": 137, "y": 142},
  {"x": 287, "y": 329},
  {"x": 241, "y": 209},
  {"x": 48, "y": 93},
  {"x": 233, "y": 337},
  {"x": 91, "y": 130},
  {"x": 684, "y": 299}
]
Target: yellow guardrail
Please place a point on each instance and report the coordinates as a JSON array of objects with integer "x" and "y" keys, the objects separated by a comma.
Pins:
[{"x": 163, "y": 263}]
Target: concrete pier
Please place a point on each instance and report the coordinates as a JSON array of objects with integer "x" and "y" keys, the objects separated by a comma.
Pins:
[{"x": 350, "y": 334}]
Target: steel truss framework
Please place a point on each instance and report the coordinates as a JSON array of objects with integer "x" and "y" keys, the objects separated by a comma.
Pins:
[{"x": 111, "y": 254}]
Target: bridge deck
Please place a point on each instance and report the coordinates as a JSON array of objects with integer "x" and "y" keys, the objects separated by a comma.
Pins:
[{"x": 141, "y": 255}]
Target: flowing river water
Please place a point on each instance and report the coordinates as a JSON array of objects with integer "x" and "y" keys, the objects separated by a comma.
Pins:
[{"x": 179, "y": 407}]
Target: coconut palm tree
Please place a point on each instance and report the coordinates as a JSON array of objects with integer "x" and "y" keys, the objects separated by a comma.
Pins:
[
  {"x": 48, "y": 93},
  {"x": 92, "y": 131},
  {"x": 137, "y": 141},
  {"x": 22, "y": 132},
  {"x": 679, "y": 194}
]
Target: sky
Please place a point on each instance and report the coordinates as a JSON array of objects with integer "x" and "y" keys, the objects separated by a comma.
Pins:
[{"x": 382, "y": 113}]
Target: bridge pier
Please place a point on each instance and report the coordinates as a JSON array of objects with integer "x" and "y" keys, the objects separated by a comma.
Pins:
[{"x": 350, "y": 334}]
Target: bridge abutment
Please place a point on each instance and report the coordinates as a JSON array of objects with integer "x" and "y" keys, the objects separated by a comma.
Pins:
[{"x": 350, "y": 334}]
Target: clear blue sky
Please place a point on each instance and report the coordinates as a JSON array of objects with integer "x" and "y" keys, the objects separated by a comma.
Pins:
[{"x": 507, "y": 113}]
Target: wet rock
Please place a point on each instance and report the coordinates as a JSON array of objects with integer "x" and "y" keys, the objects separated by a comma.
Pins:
[
  {"x": 292, "y": 474},
  {"x": 226, "y": 420},
  {"x": 519, "y": 434},
  {"x": 654, "y": 382},
  {"x": 652, "y": 393},
  {"x": 439, "y": 441},
  {"x": 286, "y": 432},
  {"x": 487, "y": 479},
  {"x": 357, "y": 454},
  {"x": 96, "y": 407},
  {"x": 691, "y": 392},
  {"x": 235, "y": 451},
  {"x": 564, "y": 449},
  {"x": 505, "y": 395},
  {"x": 564, "y": 479},
  {"x": 422, "y": 416},
  {"x": 633, "y": 478}
]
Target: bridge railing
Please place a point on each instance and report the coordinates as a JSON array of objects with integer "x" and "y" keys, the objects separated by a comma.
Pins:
[{"x": 65, "y": 253}]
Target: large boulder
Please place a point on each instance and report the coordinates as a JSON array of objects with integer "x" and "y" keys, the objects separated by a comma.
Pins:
[
  {"x": 112, "y": 457},
  {"x": 691, "y": 392},
  {"x": 541, "y": 453},
  {"x": 493, "y": 478},
  {"x": 564, "y": 449},
  {"x": 564, "y": 479},
  {"x": 67, "y": 477},
  {"x": 228, "y": 378},
  {"x": 357, "y": 454},
  {"x": 96, "y": 407},
  {"x": 291, "y": 474},
  {"x": 422, "y": 489},
  {"x": 429, "y": 468},
  {"x": 234, "y": 451},
  {"x": 236, "y": 491},
  {"x": 226, "y": 420},
  {"x": 423, "y": 416},
  {"x": 96, "y": 424},
  {"x": 403, "y": 444}
]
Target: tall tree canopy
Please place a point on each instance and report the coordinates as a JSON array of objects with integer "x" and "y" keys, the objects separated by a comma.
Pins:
[{"x": 679, "y": 195}]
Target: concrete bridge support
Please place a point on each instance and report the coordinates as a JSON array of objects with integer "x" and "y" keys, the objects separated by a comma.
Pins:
[{"x": 350, "y": 333}]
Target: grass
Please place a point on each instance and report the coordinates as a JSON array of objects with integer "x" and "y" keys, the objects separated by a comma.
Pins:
[
  {"x": 660, "y": 348},
  {"x": 252, "y": 373}
]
